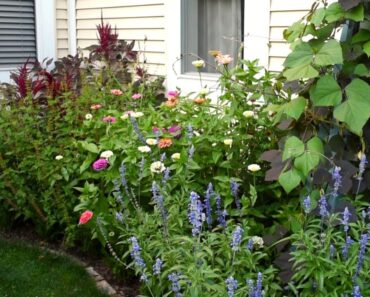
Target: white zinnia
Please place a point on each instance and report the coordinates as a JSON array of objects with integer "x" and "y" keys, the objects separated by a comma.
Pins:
[
  {"x": 124, "y": 117},
  {"x": 59, "y": 157},
  {"x": 176, "y": 156},
  {"x": 248, "y": 113},
  {"x": 88, "y": 116},
  {"x": 137, "y": 114},
  {"x": 198, "y": 63},
  {"x": 151, "y": 141},
  {"x": 203, "y": 92},
  {"x": 258, "y": 241},
  {"x": 157, "y": 167},
  {"x": 254, "y": 167},
  {"x": 144, "y": 149},
  {"x": 228, "y": 142},
  {"x": 106, "y": 154}
]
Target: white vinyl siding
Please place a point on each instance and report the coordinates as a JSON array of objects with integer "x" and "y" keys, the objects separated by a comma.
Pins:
[
  {"x": 62, "y": 28},
  {"x": 283, "y": 13},
  {"x": 134, "y": 19}
]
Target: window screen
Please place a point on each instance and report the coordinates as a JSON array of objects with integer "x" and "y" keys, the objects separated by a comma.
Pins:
[{"x": 210, "y": 25}]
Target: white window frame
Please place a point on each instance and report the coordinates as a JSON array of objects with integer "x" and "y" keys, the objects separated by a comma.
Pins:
[
  {"x": 45, "y": 15},
  {"x": 256, "y": 33}
]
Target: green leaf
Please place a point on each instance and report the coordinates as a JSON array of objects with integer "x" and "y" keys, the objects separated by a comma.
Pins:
[
  {"x": 193, "y": 165},
  {"x": 355, "y": 111},
  {"x": 295, "y": 108},
  {"x": 334, "y": 13},
  {"x": 366, "y": 48},
  {"x": 216, "y": 155},
  {"x": 330, "y": 54},
  {"x": 294, "y": 31},
  {"x": 91, "y": 147},
  {"x": 293, "y": 148},
  {"x": 289, "y": 180},
  {"x": 86, "y": 164},
  {"x": 356, "y": 14},
  {"x": 361, "y": 36},
  {"x": 306, "y": 162},
  {"x": 302, "y": 55},
  {"x": 326, "y": 92},
  {"x": 318, "y": 16},
  {"x": 311, "y": 157},
  {"x": 299, "y": 72},
  {"x": 65, "y": 174},
  {"x": 361, "y": 70},
  {"x": 316, "y": 146}
]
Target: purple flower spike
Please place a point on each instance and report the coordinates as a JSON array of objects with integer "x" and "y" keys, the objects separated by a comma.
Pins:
[
  {"x": 307, "y": 205},
  {"x": 237, "y": 238},
  {"x": 337, "y": 179},
  {"x": 232, "y": 286},
  {"x": 356, "y": 292},
  {"x": 345, "y": 220},
  {"x": 195, "y": 214}
]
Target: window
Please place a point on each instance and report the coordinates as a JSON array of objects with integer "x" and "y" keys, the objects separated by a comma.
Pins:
[
  {"x": 210, "y": 25},
  {"x": 17, "y": 32}
]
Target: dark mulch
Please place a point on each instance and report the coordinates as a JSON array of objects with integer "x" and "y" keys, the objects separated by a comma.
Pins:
[{"x": 26, "y": 233}]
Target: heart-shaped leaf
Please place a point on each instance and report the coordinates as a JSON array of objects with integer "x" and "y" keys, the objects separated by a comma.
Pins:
[
  {"x": 355, "y": 111},
  {"x": 326, "y": 92},
  {"x": 330, "y": 54},
  {"x": 289, "y": 180}
]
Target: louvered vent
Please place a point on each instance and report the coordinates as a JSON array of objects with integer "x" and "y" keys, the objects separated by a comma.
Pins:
[{"x": 17, "y": 32}]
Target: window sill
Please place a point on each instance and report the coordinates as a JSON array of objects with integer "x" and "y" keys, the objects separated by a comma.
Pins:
[{"x": 211, "y": 77}]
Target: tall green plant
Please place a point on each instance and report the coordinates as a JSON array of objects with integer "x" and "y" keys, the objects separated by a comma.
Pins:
[{"x": 326, "y": 117}]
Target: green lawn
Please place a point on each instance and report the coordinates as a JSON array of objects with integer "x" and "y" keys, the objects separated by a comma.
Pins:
[{"x": 31, "y": 272}]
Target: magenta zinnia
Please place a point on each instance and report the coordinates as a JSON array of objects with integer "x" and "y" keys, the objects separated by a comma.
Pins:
[{"x": 100, "y": 164}]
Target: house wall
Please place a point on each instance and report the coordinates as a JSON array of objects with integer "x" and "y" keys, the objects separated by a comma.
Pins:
[
  {"x": 283, "y": 13},
  {"x": 134, "y": 20},
  {"x": 62, "y": 28}
]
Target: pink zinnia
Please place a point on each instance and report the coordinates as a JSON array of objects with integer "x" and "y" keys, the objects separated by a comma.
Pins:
[
  {"x": 224, "y": 59},
  {"x": 116, "y": 92},
  {"x": 96, "y": 106},
  {"x": 100, "y": 164},
  {"x": 136, "y": 96},
  {"x": 109, "y": 119},
  {"x": 173, "y": 94},
  {"x": 85, "y": 217}
]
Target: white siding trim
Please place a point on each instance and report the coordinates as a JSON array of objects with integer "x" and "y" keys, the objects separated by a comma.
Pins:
[
  {"x": 72, "y": 31},
  {"x": 173, "y": 41},
  {"x": 46, "y": 29},
  {"x": 5, "y": 74},
  {"x": 257, "y": 31}
]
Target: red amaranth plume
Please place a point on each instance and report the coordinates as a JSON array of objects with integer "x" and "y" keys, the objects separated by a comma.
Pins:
[
  {"x": 21, "y": 79},
  {"x": 107, "y": 39}
]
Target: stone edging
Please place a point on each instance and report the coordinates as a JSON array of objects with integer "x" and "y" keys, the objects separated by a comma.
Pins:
[{"x": 101, "y": 283}]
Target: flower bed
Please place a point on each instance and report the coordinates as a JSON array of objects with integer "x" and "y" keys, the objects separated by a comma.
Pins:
[{"x": 178, "y": 189}]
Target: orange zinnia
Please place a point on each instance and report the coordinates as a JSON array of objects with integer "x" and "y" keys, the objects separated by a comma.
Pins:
[
  {"x": 164, "y": 142},
  {"x": 171, "y": 102},
  {"x": 199, "y": 100}
]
